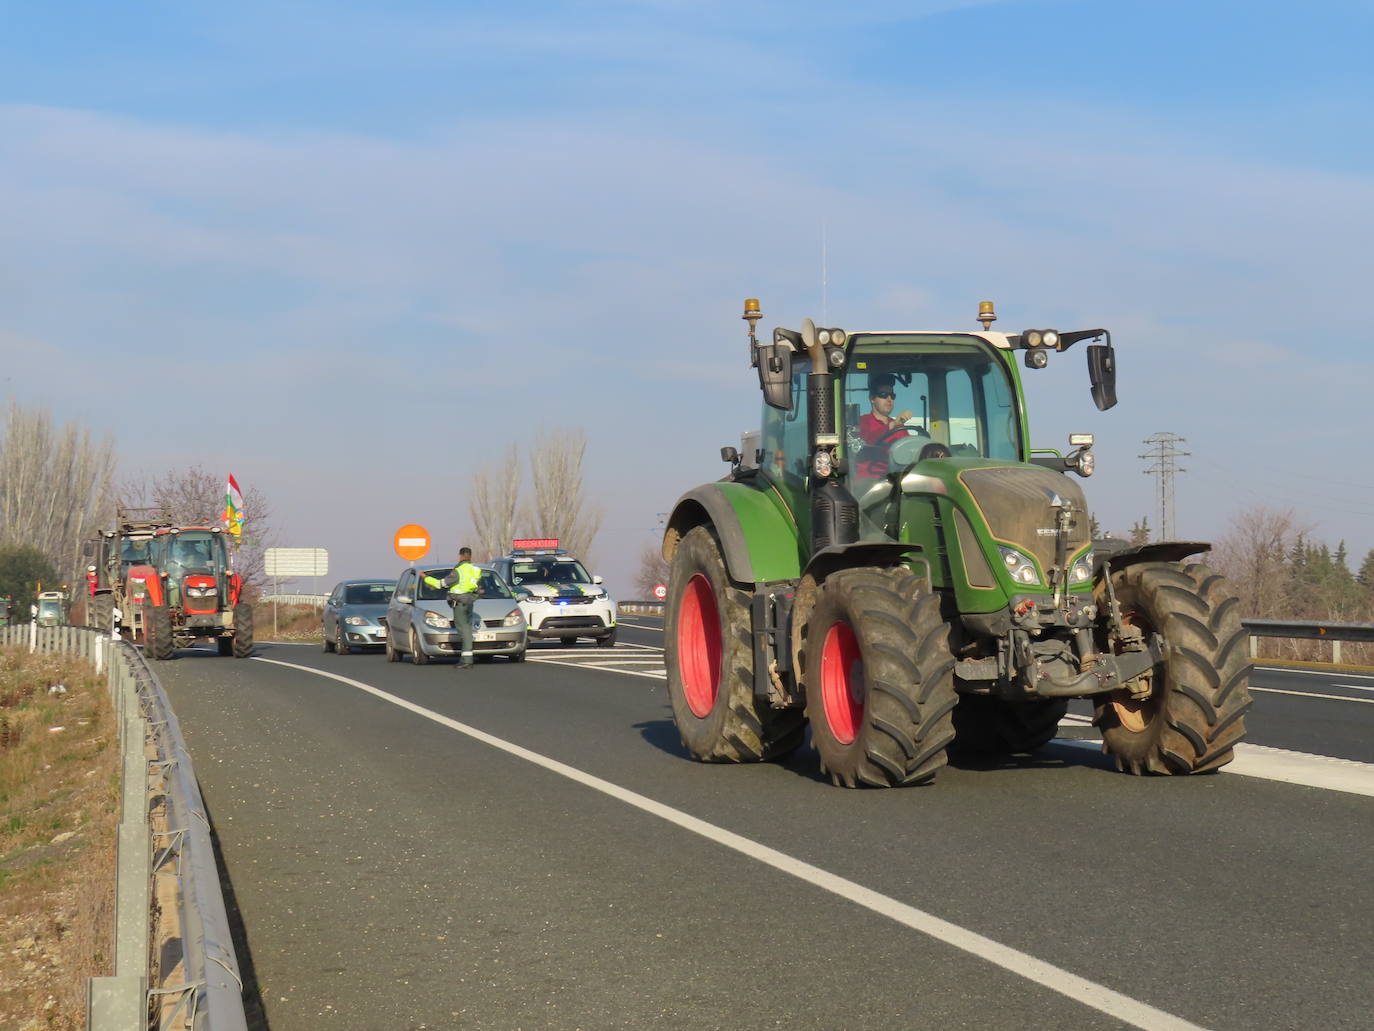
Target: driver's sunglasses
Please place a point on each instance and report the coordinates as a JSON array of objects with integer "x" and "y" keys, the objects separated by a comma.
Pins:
[{"x": 885, "y": 394}]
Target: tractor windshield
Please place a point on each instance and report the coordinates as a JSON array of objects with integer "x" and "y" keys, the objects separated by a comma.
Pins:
[
  {"x": 944, "y": 390},
  {"x": 196, "y": 551}
]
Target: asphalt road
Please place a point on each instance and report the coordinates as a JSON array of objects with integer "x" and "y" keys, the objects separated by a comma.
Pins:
[{"x": 394, "y": 869}]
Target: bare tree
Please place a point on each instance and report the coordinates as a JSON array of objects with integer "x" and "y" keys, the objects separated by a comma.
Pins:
[
  {"x": 493, "y": 504},
  {"x": 653, "y": 570},
  {"x": 559, "y": 508},
  {"x": 1253, "y": 555},
  {"x": 54, "y": 485},
  {"x": 195, "y": 497}
]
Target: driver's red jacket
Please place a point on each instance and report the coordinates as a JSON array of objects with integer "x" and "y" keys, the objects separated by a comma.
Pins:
[{"x": 872, "y": 429}]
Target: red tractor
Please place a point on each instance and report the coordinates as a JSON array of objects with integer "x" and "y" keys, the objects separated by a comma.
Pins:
[{"x": 173, "y": 586}]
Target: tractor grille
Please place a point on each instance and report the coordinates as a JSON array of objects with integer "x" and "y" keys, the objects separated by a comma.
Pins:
[{"x": 1015, "y": 501}]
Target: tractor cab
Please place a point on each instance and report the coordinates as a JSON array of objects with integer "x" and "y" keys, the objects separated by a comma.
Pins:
[
  {"x": 192, "y": 564},
  {"x": 52, "y": 608}
]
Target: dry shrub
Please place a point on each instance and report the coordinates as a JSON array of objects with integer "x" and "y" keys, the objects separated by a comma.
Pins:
[
  {"x": 59, "y": 803},
  {"x": 293, "y": 622}
]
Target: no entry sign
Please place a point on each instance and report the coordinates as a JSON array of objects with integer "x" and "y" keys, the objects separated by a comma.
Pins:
[{"x": 411, "y": 542}]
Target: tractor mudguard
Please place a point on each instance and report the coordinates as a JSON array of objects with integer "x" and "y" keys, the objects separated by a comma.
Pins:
[
  {"x": 1111, "y": 559},
  {"x": 757, "y": 538},
  {"x": 874, "y": 554}
]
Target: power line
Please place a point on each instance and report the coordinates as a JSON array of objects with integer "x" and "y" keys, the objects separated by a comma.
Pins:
[{"x": 1164, "y": 449}]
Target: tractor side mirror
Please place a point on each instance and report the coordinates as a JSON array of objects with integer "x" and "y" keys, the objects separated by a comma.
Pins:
[
  {"x": 87, "y": 549},
  {"x": 1102, "y": 374},
  {"x": 775, "y": 375}
]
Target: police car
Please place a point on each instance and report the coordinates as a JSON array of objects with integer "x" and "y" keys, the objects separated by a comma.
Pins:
[{"x": 557, "y": 596}]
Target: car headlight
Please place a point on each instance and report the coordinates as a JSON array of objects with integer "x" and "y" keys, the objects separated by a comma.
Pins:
[
  {"x": 513, "y": 618},
  {"x": 1082, "y": 569},
  {"x": 435, "y": 620},
  {"x": 355, "y": 621},
  {"x": 1020, "y": 566}
]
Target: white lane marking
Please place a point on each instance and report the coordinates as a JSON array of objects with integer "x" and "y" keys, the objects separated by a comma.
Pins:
[
  {"x": 538, "y": 649},
  {"x": 1317, "y": 672},
  {"x": 660, "y": 675},
  {"x": 1280, "y": 764},
  {"x": 1072, "y": 719},
  {"x": 1311, "y": 694},
  {"x": 1354, "y": 687},
  {"x": 1080, "y": 989},
  {"x": 641, "y": 626}
]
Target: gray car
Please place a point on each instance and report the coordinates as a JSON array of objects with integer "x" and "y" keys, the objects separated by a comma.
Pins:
[
  {"x": 420, "y": 620},
  {"x": 354, "y": 616}
]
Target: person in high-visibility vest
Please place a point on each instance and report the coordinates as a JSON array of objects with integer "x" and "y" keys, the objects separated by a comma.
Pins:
[{"x": 462, "y": 586}]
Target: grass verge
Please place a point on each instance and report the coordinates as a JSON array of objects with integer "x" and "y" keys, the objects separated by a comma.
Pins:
[{"x": 59, "y": 809}]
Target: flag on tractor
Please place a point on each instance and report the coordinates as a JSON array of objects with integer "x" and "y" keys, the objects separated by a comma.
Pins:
[{"x": 233, "y": 508}]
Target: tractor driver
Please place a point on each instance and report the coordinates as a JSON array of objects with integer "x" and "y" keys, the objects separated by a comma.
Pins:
[{"x": 879, "y": 426}]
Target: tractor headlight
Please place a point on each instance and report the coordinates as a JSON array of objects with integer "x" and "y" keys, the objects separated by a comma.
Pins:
[
  {"x": 822, "y": 464},
  {"x": 1020, "y": 566},
  {"x": 513, "y": 618},
  {"x": 355, "y": 621},
  {"x": 1082, "y": 569},
  {"x": 1049, "y": 338},
  {"x": 1085, "y": 463},
  {"x": 437, "y": 621}
]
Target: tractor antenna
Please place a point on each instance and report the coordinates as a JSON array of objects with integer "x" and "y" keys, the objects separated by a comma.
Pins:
[{"x": 825, "y": 275}]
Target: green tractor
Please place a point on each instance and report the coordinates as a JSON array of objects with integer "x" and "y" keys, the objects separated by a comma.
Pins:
[{"x": 897, "y": 566}]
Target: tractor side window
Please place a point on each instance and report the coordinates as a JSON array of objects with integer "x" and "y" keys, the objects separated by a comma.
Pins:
[{"x": 784, "y": 442}]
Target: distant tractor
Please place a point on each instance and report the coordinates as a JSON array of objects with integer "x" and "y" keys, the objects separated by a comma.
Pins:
[
  {"x": 897, "y": 566},
  {"x": 172, "y": 586},
  {"x": 52, "y": 608}
]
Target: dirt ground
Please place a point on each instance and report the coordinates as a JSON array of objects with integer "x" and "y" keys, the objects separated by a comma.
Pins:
[{"x": 59, "y": 808}]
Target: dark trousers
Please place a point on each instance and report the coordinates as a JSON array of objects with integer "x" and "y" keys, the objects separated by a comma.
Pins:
[{"x": 462, "y": 622}]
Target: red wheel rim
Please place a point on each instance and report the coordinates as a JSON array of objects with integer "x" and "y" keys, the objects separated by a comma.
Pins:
[
  {"x": 842, "y": 683},
  {"x": 698, "y": 645}
]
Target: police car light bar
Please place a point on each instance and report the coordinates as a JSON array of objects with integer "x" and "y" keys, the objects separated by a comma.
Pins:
[{"x": 533, "y": 543}]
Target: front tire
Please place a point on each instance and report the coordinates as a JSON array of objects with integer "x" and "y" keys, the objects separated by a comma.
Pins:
[
  {"x": 392, "y": 655},
  {"x": 417, "y": 654},
  {"x": 243, "y": 630},
  {"x": 341, "y": 640},
  {"x": 608, "y": 641},
  {"x": 709, "y": 656},
  {"x": 1195, "y": 713},
  {"x": 158, "y": 624},
  {"x": 879, "y": 678}
]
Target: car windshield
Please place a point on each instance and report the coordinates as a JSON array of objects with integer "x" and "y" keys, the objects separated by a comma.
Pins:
[
  {"x": 490, "y": 586},
  {"x": 368, "y": 594},
  {"x": 548, "y": 571}
]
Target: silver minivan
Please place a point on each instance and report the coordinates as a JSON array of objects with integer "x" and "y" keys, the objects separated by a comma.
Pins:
[{"x": 420, "y": 620}]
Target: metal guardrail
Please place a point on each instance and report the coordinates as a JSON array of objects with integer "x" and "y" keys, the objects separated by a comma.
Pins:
[
  {"x": 1309, "y": 630},
  {"x": 210, "y": 997}
]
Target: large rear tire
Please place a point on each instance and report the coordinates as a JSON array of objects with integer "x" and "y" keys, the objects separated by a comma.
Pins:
[
  {"x": 984, "y": 725},
  {"x": 709, "y": 656},
  {"x": 879, "y": 679},
  {"x": 1195, "y": 712},
  {"x": 158, "y": 624},
  {"x": 243, "y": 630},
  {"x": 100, "y": 612}
]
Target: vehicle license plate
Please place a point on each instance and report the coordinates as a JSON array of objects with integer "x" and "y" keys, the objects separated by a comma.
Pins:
[{"x": 484, "y": 635}]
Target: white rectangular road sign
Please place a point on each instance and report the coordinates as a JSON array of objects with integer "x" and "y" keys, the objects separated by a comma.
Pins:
[{"x": 286, "y": 563}]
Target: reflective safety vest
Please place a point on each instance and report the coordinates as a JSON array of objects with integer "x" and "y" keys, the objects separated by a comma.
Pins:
[{"x": 464, "y": 579}]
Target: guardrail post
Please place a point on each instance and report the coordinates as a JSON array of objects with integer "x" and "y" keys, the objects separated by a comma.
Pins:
[
  {"x": 116, "y": 1003},
  {"x": 1336, "y": 652},
  {"x": 134, "y": 850}
]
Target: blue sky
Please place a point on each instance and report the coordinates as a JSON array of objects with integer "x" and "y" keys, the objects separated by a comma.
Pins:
[{"x": 331, "y": 226}]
